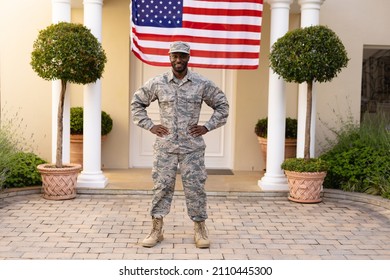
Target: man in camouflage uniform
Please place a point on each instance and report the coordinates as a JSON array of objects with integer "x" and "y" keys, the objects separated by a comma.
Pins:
[{"x": 179, "y": 140}]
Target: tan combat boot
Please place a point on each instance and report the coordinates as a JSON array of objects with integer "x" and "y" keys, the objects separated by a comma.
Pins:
[
  {"x": 201, "y": 238},
  {"x": 156, "y": 234}
]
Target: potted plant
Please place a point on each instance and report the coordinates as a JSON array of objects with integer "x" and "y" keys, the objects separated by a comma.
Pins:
[
  {"x": 68, "y": 52},
  {"x": 76, "y": 132},
  {"x": 305, "y": 178},
  {"x": 310, "y": 54},
  {"x": 290, "y": 142}
]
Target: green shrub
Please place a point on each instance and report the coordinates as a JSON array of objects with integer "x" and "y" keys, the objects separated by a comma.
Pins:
[
  {"x": 358, "y": 168},
  {"x": 23, "y": 170},
  {"x": 359, "y": 159},
  {"x": 106, "y": 123},
  {"x": 76, "y": 121},
  {"x": 261, "y": 128},
  {"x": 304, "y": 165},
  {"x": 7, "y": 149},
  {"x": 17, "y": 162}
]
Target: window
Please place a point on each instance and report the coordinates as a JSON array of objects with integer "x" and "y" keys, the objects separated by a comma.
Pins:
[{"x": 376, "y": 80}]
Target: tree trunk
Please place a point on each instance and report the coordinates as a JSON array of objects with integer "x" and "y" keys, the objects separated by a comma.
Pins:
[
  {"x": 60, "y": 125},
  {"x": 308, "y": 120}
]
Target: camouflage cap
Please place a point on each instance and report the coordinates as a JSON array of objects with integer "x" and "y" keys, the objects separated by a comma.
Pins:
[{"x": 181, "y": 47}]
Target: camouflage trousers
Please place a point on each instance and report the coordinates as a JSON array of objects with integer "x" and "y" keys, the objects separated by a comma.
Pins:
[{"x": 193, "y": 175}]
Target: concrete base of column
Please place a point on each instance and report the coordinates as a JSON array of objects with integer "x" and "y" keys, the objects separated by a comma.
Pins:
[
  {"x": 273, "y": 183},
  {"x": 91, "y": 180}
]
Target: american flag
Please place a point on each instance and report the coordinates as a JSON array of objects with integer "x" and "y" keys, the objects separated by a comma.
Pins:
[{"x": 223, "y": 34}]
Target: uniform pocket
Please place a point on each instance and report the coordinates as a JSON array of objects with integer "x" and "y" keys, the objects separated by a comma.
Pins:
[
  {"x": 167, "y": 105},
  {"x": 193, "y": 106}
]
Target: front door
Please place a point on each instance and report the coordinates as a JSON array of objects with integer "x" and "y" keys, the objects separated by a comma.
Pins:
[{"x": 219, "y": 141}]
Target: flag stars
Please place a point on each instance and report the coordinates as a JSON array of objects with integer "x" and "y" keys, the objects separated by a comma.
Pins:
[{"x": 161, "y": 13}]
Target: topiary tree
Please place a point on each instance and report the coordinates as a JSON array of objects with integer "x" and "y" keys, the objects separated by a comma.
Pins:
[
  {"x": 71, "y": 53},
  {"x": 310, "y": 54}
]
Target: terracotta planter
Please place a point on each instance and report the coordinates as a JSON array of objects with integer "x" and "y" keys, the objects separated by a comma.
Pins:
[
  {"x": 59, "y": 183},
  {"x": 290, "y": 148},
  {"x": 76, "y": 148},
  {"x": 305, "y": 187}
]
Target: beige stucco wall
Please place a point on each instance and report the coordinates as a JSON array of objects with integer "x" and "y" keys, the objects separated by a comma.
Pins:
[{"x": 22, "y": 91}]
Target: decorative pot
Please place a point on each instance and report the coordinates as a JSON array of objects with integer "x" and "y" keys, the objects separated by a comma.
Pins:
[
  {"x": 305, "y": 187},
  {"x": 290, "y": 148},
  {"x": 59, "y": 183},
  {"x": 76, "y": 148}
]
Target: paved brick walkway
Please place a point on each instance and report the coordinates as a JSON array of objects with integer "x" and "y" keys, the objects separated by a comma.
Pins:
[{"x": 244, "y": 227}]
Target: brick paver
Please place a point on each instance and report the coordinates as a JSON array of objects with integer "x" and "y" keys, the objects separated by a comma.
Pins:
[{"x": 240, "y": 227}]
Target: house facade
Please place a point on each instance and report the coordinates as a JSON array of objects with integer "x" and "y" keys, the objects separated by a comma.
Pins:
[{"x": 31, "y": 101}]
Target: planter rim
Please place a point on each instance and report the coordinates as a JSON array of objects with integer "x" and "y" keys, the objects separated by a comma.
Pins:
[
  {"x": 50, "y": 167},
  {"x": 306, "y": 173},
  {"x": 81, "y": 136},
  {"x": 263, "y": 140},
  {"x": 296, "y": 174}
]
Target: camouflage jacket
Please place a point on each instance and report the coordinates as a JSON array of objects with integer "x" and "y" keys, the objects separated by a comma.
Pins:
[{"x": 180, "y": 103}]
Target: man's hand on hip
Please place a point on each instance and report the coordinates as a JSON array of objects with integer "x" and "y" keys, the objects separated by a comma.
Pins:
[
  {"x": 159, "y": 130},
  {"x": 198, "y": 130}
]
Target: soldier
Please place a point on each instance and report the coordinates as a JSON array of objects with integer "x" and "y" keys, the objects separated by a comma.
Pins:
[{"x": 180, "y": 93}]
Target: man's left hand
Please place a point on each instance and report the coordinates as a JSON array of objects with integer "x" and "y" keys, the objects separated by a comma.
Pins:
[{"x": 198, "y": 130}]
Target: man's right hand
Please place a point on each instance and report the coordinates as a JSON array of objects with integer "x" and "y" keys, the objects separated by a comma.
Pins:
[{"x": 159, "y": 130}]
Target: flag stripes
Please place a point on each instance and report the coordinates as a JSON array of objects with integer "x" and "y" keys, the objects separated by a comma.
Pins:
[{"x": 222, "y": 34}]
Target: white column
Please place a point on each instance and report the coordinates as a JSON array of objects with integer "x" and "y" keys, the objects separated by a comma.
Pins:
[
  {"x": 274, "y": 178},
  {"x": 310, "y": 15},
  {"x": 92, "y": 175},
  {"x": 61, "y": 11}
]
